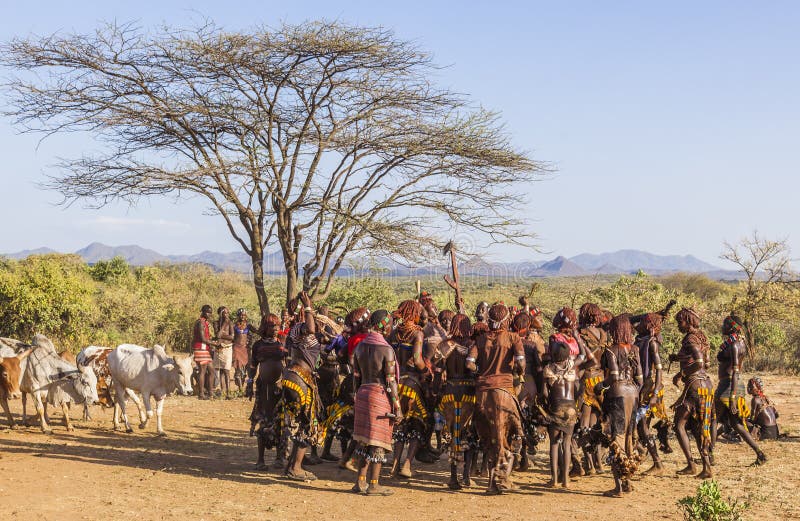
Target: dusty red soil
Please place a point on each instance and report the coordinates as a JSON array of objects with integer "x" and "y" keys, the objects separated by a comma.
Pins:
[{"x": 204, "y": 470}]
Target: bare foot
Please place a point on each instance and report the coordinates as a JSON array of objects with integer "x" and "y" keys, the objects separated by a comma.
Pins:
[
  {"x": 705, "y": 474},
  {"x": 405, "y": 471},
  {"x": 761, "y": 458},
  {"x": 687, "y": 471},
  {"x": 379, "y": 490},
  {"x": 656, "y": 470},
  {"x": 301, "y": 475},
  {"x": 614, "y": 492}
]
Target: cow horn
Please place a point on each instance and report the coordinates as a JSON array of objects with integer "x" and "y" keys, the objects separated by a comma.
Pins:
[{"x": 24, "y": 354}]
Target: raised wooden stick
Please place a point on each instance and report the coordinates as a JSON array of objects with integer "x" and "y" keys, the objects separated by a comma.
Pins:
[{"x": 451, "y": 249}]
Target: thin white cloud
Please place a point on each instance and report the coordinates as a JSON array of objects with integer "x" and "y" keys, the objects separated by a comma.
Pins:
[{"x": 119, "y": 223}]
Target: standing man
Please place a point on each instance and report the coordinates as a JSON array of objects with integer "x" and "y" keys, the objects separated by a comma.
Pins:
[
  {"x": 223, "y": 356},
  {"x": 201, "y": 345},
  {"x": 377, "y": 403}
]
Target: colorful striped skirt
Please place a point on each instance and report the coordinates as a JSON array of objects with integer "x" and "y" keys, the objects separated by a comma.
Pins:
[
  {"x": 371, "y": 425},
  {"x": 202, "y": 355}
]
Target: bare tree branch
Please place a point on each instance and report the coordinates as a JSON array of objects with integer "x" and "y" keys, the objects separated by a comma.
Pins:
[
  {"x": 767, "y": 269},
  {"x": 325, "y": 138}
]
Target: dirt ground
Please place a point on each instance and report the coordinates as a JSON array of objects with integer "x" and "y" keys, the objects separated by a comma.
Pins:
[{"x": 204, "y": 470}]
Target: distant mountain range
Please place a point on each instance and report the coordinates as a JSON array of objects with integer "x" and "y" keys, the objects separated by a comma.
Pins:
[
  {"x": 585, "y": 264},
  {"x": 633, "y": 260}
]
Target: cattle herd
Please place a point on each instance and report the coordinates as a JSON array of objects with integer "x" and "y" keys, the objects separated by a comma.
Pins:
[
  {"x": 38, "y": 370},
  {"x": 488, "y": 387}
]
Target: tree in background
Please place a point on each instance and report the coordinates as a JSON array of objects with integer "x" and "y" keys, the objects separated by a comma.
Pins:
[
  {"x": 319, "y": 137},
  {"x": 766, "y": 266}
]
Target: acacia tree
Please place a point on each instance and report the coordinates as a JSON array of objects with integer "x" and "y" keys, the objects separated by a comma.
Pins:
[
  {"x": 323, "y": 138},
  {"x": 766, "y": 266}
]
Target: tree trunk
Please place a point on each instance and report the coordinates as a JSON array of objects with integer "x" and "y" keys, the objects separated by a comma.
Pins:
[
  {"x": 291, "y": 280},
  {"x": 258, "y": 282}
]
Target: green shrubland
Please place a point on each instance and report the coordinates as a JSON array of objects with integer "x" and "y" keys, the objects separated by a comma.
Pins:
[{"x": 111, "y": 302}]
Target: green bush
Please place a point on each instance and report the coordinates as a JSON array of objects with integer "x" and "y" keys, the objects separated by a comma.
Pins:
[
  {"x": 708, "y": 505},
  {"x": 697, "y": 284},
  {"x": 115, "y": 270},
  {"x": 111, "y": 303},
  {"x": 45, "y": 294},
  {"x": 371, "y": 292}
]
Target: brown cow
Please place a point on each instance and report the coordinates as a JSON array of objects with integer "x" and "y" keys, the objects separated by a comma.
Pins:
[{"x": 10, "y": 372}]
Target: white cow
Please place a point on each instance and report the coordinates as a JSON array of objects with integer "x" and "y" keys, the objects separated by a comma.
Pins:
[
  {"x": 150, "y": 372},
  {"x": 49, "y": 379},
  {"x": 96, "y": 359}
]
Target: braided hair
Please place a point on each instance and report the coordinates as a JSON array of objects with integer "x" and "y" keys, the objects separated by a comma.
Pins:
[
  {"x": 460, "y": 327},
  {"x": 689, "y": 317},
  {"x": 621, "y": 332},
  {"x": 409, "y": 313},
  {"x": 521, "y": 323},
  {"x": 692, "y": 319},
  {"x": 269, "y": 326},
  {"x": 358, "y": 320},
  {"x": 565, "y": 320},
  {"x": 756, "y": 387},
  {"x": 590, "y": 314},
  {"x": 652, "y": 323},
  {"x": 621, "y": 329}
]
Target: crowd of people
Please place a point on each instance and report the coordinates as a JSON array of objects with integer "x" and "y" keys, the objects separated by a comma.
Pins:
[
  {"x": 490, "y": 386},
  {"x": 221, "y": 352}
]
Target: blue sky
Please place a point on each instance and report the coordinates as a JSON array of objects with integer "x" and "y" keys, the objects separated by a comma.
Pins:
[{"x": 672, "y": 126}]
